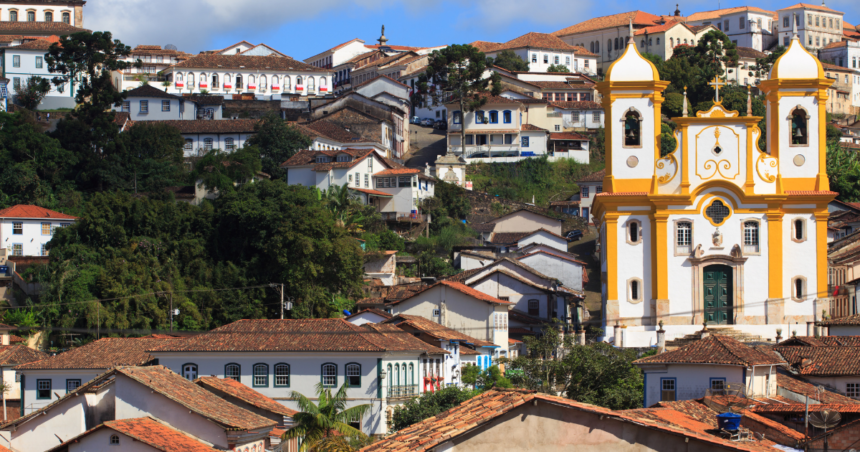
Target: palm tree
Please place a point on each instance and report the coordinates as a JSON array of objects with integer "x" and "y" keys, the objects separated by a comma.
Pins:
[
  {"x": 345, "y": 206},
  {"x": 325, "y": 426},
  {"x": 4, "y": 388}
]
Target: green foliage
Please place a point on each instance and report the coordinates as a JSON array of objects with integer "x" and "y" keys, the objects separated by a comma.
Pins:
[
  {"x": 319, "y": 424},
  {"x": 349, "y": 212},
  {"x": 448, "y": 206},
  {"x": 389, "y": 240},
  {"x": 490, "y": 377},
  {"x": 557, "y": 68},
  {"x": 151, "y": 158},
  {"x": 597, "y": 148},
  {"x": 673, "y": 106},
  {"x": 656, "y": 59},
  {"x": 509, "y": 60},
  {"x": 223, "y": 171},
  {"x": 546, "y": 181},
  {"x": 843, "y": 170},
  {"x": 695, "y": 67},
  {"x": 762, "y": 67},
  {"x": 277, "y": 142},
  {"x": 430, "y": 404},
  {"x": 21, "y": 318},
  {"x": 31, "y": 93},
  {"x": 667, "y": 139}
]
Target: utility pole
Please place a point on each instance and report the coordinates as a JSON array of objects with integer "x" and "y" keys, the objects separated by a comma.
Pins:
[
  {"x": 171, "y": 310},
  {"x": 280, "y": 287},
  {"x": 282, "y": 301}
]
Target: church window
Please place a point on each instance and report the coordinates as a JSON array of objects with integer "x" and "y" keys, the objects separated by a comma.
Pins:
[
  {"x": 798, "y": 230},
  {"x": 798, "y": 288},
  {"x": 634, "y": 290},
  {"x": 717, "y": 212},
  {"x": 799, "y": 127},
  {"x": 683, "y": 237},
  {"x": 632, "y": 129},
  {"x": 751, "y": 237},
  {"x": 634, "y": 232},
  {"x": 671, "y": 42}
]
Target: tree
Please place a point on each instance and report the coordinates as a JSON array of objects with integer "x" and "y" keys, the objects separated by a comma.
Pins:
[
  {"x": 695, "y": 67},
  {"x": 843, "y": 170},
  {"x": 667, "y": 140},
  {"x": 490, "y": 377},
  {"x": 316, "y": 424},
  {"x": 509, "y": 60},
  {"x": 430, "y": 404},
  {"x": 653, "y": 58},
  {"x": 277, "y": 142},
  {"x": 458, "y": 71},
  {"x": 32, "y": 92},
  {"x": 543, "y": 368},
  {"x": 762, "y": 67},
  {"x": 151, "y": 157},
  {"x": 557, "y": 68},
  {"x": 223, "y": 171},
  {"x": 348, "y": 210},
  {"x": 88, "y": 59}
]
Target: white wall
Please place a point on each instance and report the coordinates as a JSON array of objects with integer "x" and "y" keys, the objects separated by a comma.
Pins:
[
  {"x": 176, "y": 110},
  {"x": 58, "y": 379},
  {"x": 58, "y": 97},
  {"x": 40, "y": 8},
  {"x": 366, "y": 317},
  {"x": 693, "y": 379},
  {"x": 99, "y": 441},
  {"x": 320, "y": 80},
  {"x": 219, "y": 141},
  {"x": 66, "y": 421},
  {"x": 525, "y": 221},
  {"x": 569, "y": 273},
  {"x": 31, "y": 238},
  {"x": 544, "y": 239}
]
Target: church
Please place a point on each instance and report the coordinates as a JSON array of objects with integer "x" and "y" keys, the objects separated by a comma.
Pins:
[{"x": 717, "y": 231}]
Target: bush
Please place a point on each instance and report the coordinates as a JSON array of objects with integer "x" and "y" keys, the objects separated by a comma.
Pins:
[{"x": 430, "y": 404}]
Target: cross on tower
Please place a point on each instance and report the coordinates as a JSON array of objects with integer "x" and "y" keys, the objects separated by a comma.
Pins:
[{"x": 716, "y": 83}]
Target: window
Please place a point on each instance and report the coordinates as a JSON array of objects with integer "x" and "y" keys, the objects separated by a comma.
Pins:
[
  {"x": 751, "y": 237},
  {"x": 634, "y": 290},
  {"x": 16, "y": 60},
  {"x": 114, "y": 440},
  {"x": 207, "y": 144},
  {"x": 189, "y": 144},
  {"x": 261, "y": 375},
  {"x": 189, "y": 371},
  {"x": 509, "y": 138},
  {"x": 534, "y": 308},
  {"x": 165, "y": 105},
  {"x": 238, "y": 81},
  {"x": 329, "y": 375},
  {"x": 126, "y": 106},
  {"x": 282, "y": 375},
  {"x": 506, "y": 116},
  {"x": 18, "y": 228},
  {"x": 632, "y": 129},
  {"x": 718, "y": 384},
  {"x": 717, "y": 212},
  {"x": 49, "y": 17},
  {"x": 816, "y": 20},
  {"x": 144, "y": 106},
  {"x": 436, "y": 313},
  {"x": 785, "y": 22},
  {"x": 741, "y": 23},
  {"x": 596, "y": 117},
  {"x": 574, "y": 116},
  {"x": 31, "y": 16},
  {"x": 494, "y": 117},
  {"x": 13, "y": 16},
  {"x": 798, "y": 288},
  {"x": 263, "y": 82},
  {"x": 39, "y": 62},
  {"x": 534, "y": 58},
  {"x": 524, "y": 142},
  {"x": 726, "y": 26},
  {"x": 470, "y": 139},
  {"x": 557, "y": 128},
  {"x": 43, "y": 251},
  {"x": 634, "y": 231},
  {"x": 583, "y": 191},
  {"x": 456, "y": 117},
  {"x": 798, "y": 230},
  {"x": 366, "y": 181},
  {"x": 46, "y": 228},
  {"x": 667, "y": 389},
  {"x": 310, "y": 83},
  {"x": 479, "y": 117},
  {"x": 43, "y": 389},
  {"x": 229, "y": 144},
  {"x": 683, "y": 237},
  {"x": 852, "y": 390},
  {"x": 232, "y": 371},
  {"x": 72, "y": 384},
  {"x": 353, "y": 375},
  {"x": 545, "y": 58},
  {"x": 567, "y": 61},
  {"x": 17, "y": 249},
  {"x": 556, "y": 60},
  {"x": 500, "y": 321},
  {"x": 190, "y": 80}
]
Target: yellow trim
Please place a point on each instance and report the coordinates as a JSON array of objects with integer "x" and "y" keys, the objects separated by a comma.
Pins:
[
  {"x": 631, "y": 185},
  {"x": 717, "y": 111},
  {"x": 774, "y": 246},
  {"x": 821, "y": 250},
  {"x": 821, "y": 181},
  {"x": 799, "y": 183},
  {"x": 728, "y": 206},
  {"x": 774, "y": 72},
  {"x": 611, "y": 221},
  {"x": 719, "y": 160},
  {"x": 749, "y": 185},
  {"x": 659, "y": 256},
  {"x": 685, "y": 155}
]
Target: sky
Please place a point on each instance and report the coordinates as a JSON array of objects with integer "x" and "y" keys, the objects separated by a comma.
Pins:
[{"x": 303, "y": 28}]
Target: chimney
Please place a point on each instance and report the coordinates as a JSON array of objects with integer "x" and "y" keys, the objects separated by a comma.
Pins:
[
  {"x": 810, "y": 329},
  {"x": 778, "y": 335},
  {"x": 661, "y": 338},
  {"x": 618, "y": 336},
  {"x": 705, "y": 332}
]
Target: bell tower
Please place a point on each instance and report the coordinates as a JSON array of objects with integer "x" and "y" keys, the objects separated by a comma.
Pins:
[
  {"x": 796, "y": 95},
  {"x": 632, "y": 97}
]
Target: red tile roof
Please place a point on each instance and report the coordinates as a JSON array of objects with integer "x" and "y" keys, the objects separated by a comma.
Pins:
[
  {"x": 823, "y": 341},
  {"x": 376, "y": 311},
  {"x": 460, "y": 287},
  {"x": 27, "y": 211},
  {"x": 297, "y": 335},
  {"x": 567, "y": 136},
  {"x": 308, "y": 157},
  {"x": 391, "y": 337},
  {"x": 12, "y": 355},
  {"x": 714, "y": 349},
  {"x": 102, "y": 354},
  {"x": 532, "y": 40},
  {"x": 148, "y": 431},
  {"x": 36, "y": 28},
  {"x": 532, "y": 128},
  {"x": 372, "y": 192},
  {"x": 851, "y": 320},
  {"x": 717, "y": 13},
  {"x": 820, "y": 361},
  {"x": 801, "y": 387},
  {"x": 242, "y": 392},
  {"x": 331, "y": 130},
  {"x": 397, "y": 172},
  {"x": 38, "y": 44},
  {"x": 810, "y": 6},
  {"x": 247, "y": 63},
  {"x": 577, "y": 105},
  {"x": 640, "y": 18},
  {"x": 434, "y": 329},
  {"x": 594, "y": 177},
  {"x": 797, "y": 408}
]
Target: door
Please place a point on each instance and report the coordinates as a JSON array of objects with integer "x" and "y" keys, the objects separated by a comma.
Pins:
[
  {"x": 718, "y": 294},
  {"x": 585, "y": 214}
]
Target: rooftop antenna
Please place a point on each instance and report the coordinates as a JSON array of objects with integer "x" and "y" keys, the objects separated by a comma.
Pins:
[{"x": 825, "y": 419}]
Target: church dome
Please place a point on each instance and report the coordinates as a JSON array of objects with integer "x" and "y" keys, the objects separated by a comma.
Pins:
[
  {"x": 796, "y": 63},
  {"x": 632, "y": 67}
]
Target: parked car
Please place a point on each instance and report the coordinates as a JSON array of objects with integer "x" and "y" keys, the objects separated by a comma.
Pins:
[
  {"x": 415, "y": 120},
  {"x": 574, "y": 235},
  {"x": 427, "y": 122},
  {"x": 440, "y": 125}
]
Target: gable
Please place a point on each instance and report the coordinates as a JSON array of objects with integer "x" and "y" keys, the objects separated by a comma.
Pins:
[
  {"x": 510, "y": 267},
  {"x": 525, "y": 220}
]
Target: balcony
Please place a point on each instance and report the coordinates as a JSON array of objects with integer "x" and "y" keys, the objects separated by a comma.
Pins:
[
  {"x": 402, "y": 392},
  {"x": 486, "y": 150},
  {"x": 406, "y": 217}
]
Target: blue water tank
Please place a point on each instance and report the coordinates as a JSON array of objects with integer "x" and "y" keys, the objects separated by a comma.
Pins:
[
  {"x": 346, "y": 313},
  {"x": 729, "y": 421}
]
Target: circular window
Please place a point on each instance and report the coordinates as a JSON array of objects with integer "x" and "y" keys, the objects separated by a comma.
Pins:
[
  {"x": 632, "y": 161},
  {"x": 717, "y": 212},
  {"x": 799, "y": 160}
]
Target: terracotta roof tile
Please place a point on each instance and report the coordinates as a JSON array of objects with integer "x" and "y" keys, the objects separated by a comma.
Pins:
[
  {"x": 810, "y": 6},
  {"x": 513, "y": 237},
  {"x": 834, "y": 45},
  {"x": 556, "y": 85},
  {"x": 567, "y": 136},
  {"x": 27, "y": 211},
  {"x": 714, "y": 349},
  {"x": 640, "y": 18},
  {"x": 577, "y": 105},
  {"x": 750, "y": 53},
  {"x": 12, "y": 355},
  {"x": 242, "y": 392},
  {"x": 308, "y": 157},
  {"x": 372, "y": 192},
  {"x": 844, "y": 321},
  {"x": 376, "y": 311},
  {"x": 28, "y": 28},
  {"x": 658, "y": 28},
  {"x": 397, "y": 172},
  {"x": 157, "y": 435},
  {"x": 532, "y": 128},
  {"x": 799, "y": 386},
  {"x": 331, "y": 130},
  {"x": 247, "y": 63},
  {"x": 435, "y": 329},
  {"x": 594, "y": 177},
  {"x": 820, "y": 361},
  {"x": 193, "y": 126},
  {"x": 717, "y": 13},
  {"x": 461, "y": 288},
  {"x": 102, "y": 354},
  {"x": 37, "y": 44},
  {"x": 393, "y": 338},
  {"x": 150, "y": 91},
  {"x": 532, "y": 40}
]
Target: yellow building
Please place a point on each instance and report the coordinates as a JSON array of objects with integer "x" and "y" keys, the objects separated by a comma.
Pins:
[{"x": 716, "y": 231}]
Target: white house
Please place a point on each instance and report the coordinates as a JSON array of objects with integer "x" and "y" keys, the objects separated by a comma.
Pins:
[
  {"x": 559, "y": 264},
  {"x": 43, "y": 13},
  {"x": 542, "y": 50},
  {"x": 589, "y": 187},
  {"x": 25, "y": 230},
  {"x": 153, "y": 60},
  {"x": 524, "y": 220},
  {"x": 817, "y": 25},
  {"x": 328, "y": 136},
  {"x": 136, "y": 392},
  {"x": 746, "y": 26},
  {"x": 147, "y": 103},
  {"x": 268, "y": 77},
  {"x": 827, "y": 360},
  {"x": 12, "y": 355},
  {"x": 27, "y": 60},
  {"x": 580, "y": 115},
  {"x": 46, "y": 380},
  {"x": 367, "y": 315},
  {"x": 508, "y": 242},
  {"x": 144, "y": 434},
  {"x": 276, "y": 357},
  {"x": 712, "y": 362},
  {"x": 203, "y": 135}
]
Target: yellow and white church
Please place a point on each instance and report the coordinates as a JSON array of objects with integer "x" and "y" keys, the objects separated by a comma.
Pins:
[{"x": 716, "y": 231}]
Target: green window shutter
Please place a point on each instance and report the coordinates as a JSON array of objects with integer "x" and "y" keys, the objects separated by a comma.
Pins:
[{"x": 378, "y": 379}]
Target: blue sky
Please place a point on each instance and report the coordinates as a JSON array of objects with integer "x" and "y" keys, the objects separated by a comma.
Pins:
[{"x": 303, "y": 28}]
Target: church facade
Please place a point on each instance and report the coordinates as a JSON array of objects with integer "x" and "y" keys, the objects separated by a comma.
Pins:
[{"x": 717, "y": 231}]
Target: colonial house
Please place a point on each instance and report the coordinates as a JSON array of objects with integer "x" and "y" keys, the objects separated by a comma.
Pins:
[
  {"x": 589, "y": 187},
  {"x": 145, "y": 434},
  {"x": 525, "y": 220},
  {"x": 844, "y": 94},
  {"x": 509, "y": 242},
  {"x": 743, "y": 75},
  {"x": 827, "y": 360},
  {"x": 564, "y": 266},
  {"x": 248, "y": 49},
  {"x": 153, "y": 60},
  {"x": 46, "y": 380},
  {"x": 390, "y": 66},
  {"x": 368, "y": 315},
  {"x": 717, "y": 233},
  {"x": 267, "y": 77},
  {"x": 24, "y": 61},
  {"x": 44, "y": 13},
  {"x": 12, "y": 355},
  {"x": 581, "y": 116},
  {"x": 662, "y": 39},
  {"x": 338, "y": 55},
  {"x": 26, "y": 230},
  {"x": 542, "y": 50},
  {"x": 139, "y": 392},
  {"x": 328, "y": 136},
  {"x": 711, "y": 363},
  {"x": 842, "y": 53},
  {"x": 277, "y": 357},
  {"x": 203, "y": 135},
  {"x": 147, "y": 103},
  {"x": 817, "y": 25},
  {"x": 746, "y": 26}
]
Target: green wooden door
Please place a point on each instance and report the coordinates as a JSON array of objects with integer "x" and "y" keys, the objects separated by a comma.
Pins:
[{"x": 718, "y": 294}]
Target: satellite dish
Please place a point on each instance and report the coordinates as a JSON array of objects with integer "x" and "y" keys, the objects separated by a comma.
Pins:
[
  {"x": 170, "y": 47},
  {"x": 731, "y": 398},
  {"x": 825, "y": 419}
]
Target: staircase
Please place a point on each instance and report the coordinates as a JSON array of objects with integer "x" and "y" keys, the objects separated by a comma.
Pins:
[{"x": 740, "y": 336}]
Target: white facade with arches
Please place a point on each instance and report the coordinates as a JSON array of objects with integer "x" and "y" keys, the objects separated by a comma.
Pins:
[
  {"x": 717, "y": 231},
  {"x": 69, "y": 12}
]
